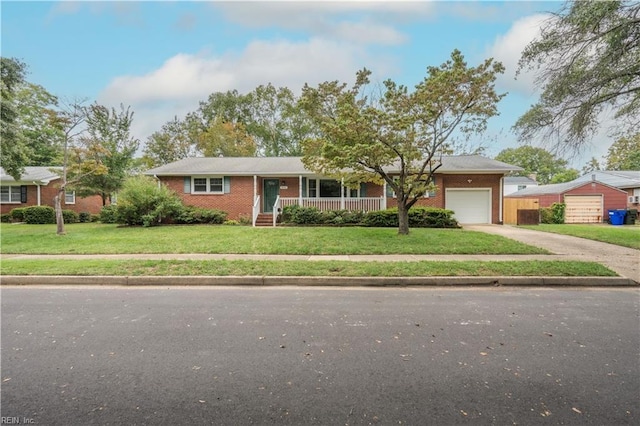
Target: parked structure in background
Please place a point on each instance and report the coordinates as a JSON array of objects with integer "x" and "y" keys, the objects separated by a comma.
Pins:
[
  {"x": 628, "y": 181},
  {"x": 37, "y": 187},
  {"x": 258, "y": 187},
  {"x": 518, "y": 183}
]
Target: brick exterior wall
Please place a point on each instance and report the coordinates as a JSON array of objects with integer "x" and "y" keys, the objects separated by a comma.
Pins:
[
  {"x": 239, "y": 201},
  {"x": 91, "y": 204}
]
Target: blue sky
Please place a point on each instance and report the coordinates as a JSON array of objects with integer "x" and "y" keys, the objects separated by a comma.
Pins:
[{"x": 162, "y": 58}]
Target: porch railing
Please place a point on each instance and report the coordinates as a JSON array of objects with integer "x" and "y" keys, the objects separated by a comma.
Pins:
[
  {"x": 276, "y": 209},
  {"x": 256, "y": 209},
  {"x": 354, "y": 204}
]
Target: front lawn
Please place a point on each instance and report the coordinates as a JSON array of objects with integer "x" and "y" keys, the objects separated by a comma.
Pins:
[
  {"x": 624, "y": 235},
  {"x": 92, "y": 238},
  {"x": 300, "y": 268}
]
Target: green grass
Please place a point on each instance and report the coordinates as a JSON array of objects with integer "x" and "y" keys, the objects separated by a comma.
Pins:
[
  {"x": 300, "y": 268},
  {"x": 626, "y": 235},
  {"x": 110, "y": 239}
]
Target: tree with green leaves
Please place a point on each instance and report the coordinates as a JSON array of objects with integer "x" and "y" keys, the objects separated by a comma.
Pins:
[
  {"x": 566, "y": 175},
  {"x": 171, "y": 143},
  {"x": 533, "y": 160},
  {"x": 15, "y": 153},
  {"x": 624, "y": 154},
  {"x": 225, "y": 139},
  {"x": 361, "y": 136},
  {"x": 588, "y": 62},
  {"x": 108, "y": 138}
]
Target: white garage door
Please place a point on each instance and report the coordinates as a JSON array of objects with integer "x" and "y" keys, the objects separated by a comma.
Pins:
[
  {"x": 469, "y": 206},
  {"x": 583, "y": 208}
]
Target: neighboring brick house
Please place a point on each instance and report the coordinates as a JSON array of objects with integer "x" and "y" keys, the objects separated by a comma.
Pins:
[
  {"x": 627, "y": 180},
  {"x": 471, "y": 186},
  {"x": 586, "y": 201},
  {"x": 37, "y": 187}
]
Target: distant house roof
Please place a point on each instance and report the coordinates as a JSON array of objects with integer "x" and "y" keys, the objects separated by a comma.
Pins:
[
  {"x": 519, "y": 180},
  {"x": 244, "y": 166},
  {"x": 31, "y": 176},
  {"x": 555, "y": 188},
  {"x": 619, "y": 179}
]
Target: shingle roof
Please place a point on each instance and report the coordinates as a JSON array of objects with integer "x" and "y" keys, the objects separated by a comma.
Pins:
[
  {"x": 519, "y": 180},
  {"x": 619, "y": 179},
  {"x": 244, "y": 166},
  {"x": 41, "y": 175}
]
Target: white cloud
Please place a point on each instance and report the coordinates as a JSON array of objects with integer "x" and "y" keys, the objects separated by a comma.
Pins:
[
  {"x": 183, "y": 80},
  {"x": 507, "y": 48}
]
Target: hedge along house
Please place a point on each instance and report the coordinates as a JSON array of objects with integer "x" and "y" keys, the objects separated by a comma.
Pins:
[
  {"x": 37, "y": 187},
  {"x": 259, "y": 187},
  {"x": 586, "y": 201}
]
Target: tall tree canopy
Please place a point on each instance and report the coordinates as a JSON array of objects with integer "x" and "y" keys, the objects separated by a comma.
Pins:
[
  {"x": 624, "y": 154},
  {"x": 533, "y": 160},
  {"x": 407, "y": 129},
  {"x": 171, "y": 143},
  {"x": 588, "y": 61},
  {"x": 14, "y": 155}
]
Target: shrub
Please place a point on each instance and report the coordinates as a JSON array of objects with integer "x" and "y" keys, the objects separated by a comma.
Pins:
[
  {"x": 245, "y": 220},
  {"x": 306, "y": 216},
  {"x": 419, "y": 217},
  {"x": 95, "y": 218},
  {"x": 69, "y": 216},
  {"x": 109, "y": 214},
  {"x": 191, "y": 215},
  {"x": 17, "y": 214},
  {"x": 553, "y": 214},
  {"x": 37, "y": 215},
  {"x": 288, "y": 212},
  {"x": 84, "y": 217},
  {"x": 142, "y": 202},
  {"x": 231, "y": 222},
  {"x": 5, "y": 218}
]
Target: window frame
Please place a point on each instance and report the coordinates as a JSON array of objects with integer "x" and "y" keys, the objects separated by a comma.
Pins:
[
  {"x": 12, "y": 191},
  {"x": 208, "y": 184},
  {"x": 73, "y": 197}
]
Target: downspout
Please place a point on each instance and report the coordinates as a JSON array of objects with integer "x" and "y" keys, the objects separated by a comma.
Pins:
[
  {"x": 501, "y": 199},
  {"x": 159, "y": 183}
]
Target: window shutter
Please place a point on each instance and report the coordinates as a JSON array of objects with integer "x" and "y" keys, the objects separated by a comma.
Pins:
[
  {"x": 363, "y": 189},
  {"x": 227, "y": 184},
  {"x": 23, "y": 194},
  {"x": 304, "y": 186},
  {"x": 187, "y": 184}
]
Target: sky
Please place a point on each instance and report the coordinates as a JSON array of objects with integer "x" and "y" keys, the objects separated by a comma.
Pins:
[{"x": 162, "y": 58}]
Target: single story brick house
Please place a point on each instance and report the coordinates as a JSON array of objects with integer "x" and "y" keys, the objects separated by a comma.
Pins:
[
  {"x": 257, "y": 187},
  {"x": 627, "y": 180},
  {"x": 37, "y": 187},
  {"x": 586, "y": 201}
]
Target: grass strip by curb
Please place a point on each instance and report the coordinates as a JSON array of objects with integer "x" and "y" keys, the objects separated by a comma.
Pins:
[{"x": 301, "y": 268}]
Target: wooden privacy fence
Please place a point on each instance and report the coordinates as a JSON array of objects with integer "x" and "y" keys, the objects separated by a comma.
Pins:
[{"x": 512, "y": 205}]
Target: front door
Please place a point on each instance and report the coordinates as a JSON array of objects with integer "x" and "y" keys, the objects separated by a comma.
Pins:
[{"x": 271, "y": 189}]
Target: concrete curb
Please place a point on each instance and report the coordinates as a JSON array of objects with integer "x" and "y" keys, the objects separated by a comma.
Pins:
[{"x": 265, "y": 281}]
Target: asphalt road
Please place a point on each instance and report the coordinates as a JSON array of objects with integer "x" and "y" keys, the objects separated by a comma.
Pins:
[{"x": 326, "y": 356}]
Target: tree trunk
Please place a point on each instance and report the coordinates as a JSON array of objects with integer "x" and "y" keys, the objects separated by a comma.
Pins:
[
  {"x": 403, "y": 218},
  {"x": 59, "y": 217}
]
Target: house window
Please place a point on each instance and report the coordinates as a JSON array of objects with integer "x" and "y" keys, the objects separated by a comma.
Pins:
[
  {"x": 69, "y": 197},
  {"x": 329, "y": 188},
  {"x": 208, "y": 185},
  {"x": 313, "y": 188},
  {"x": 520, "y": 187},
  {"x": 10, "y": 194}
]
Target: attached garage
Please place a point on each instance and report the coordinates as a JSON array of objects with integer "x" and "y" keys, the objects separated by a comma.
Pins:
[
  {"x": 469, "y": 205},
  {"x": 583, "y": 209}
]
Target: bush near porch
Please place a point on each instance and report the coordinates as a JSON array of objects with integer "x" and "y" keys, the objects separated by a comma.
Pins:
[{"x": 419, "y": 217}]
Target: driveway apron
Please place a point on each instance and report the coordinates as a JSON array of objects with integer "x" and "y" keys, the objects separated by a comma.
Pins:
[{"x": 624, "y": 261}]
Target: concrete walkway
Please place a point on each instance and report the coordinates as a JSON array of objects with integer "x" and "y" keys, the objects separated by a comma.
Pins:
[{"x": 622, "y": 260}]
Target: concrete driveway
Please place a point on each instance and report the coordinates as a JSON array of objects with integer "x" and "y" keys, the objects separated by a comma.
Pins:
[{"x": 625, "y": 261}]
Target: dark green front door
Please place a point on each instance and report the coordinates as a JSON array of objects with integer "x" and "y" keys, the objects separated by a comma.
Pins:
[{"x": 271, "y": 189}]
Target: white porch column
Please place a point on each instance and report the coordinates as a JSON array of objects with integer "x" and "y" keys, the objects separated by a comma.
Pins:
[
  {"x": 300, "y": 190},
  {"x": 38, "y": 192},
  {"x": 342, "y": 194},
  {"x": 383, "y": 204},
  {"x": 255, "y": 187}
]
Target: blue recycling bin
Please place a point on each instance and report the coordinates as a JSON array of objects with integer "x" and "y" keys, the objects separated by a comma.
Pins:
[{"x": 616, "y": 217}]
